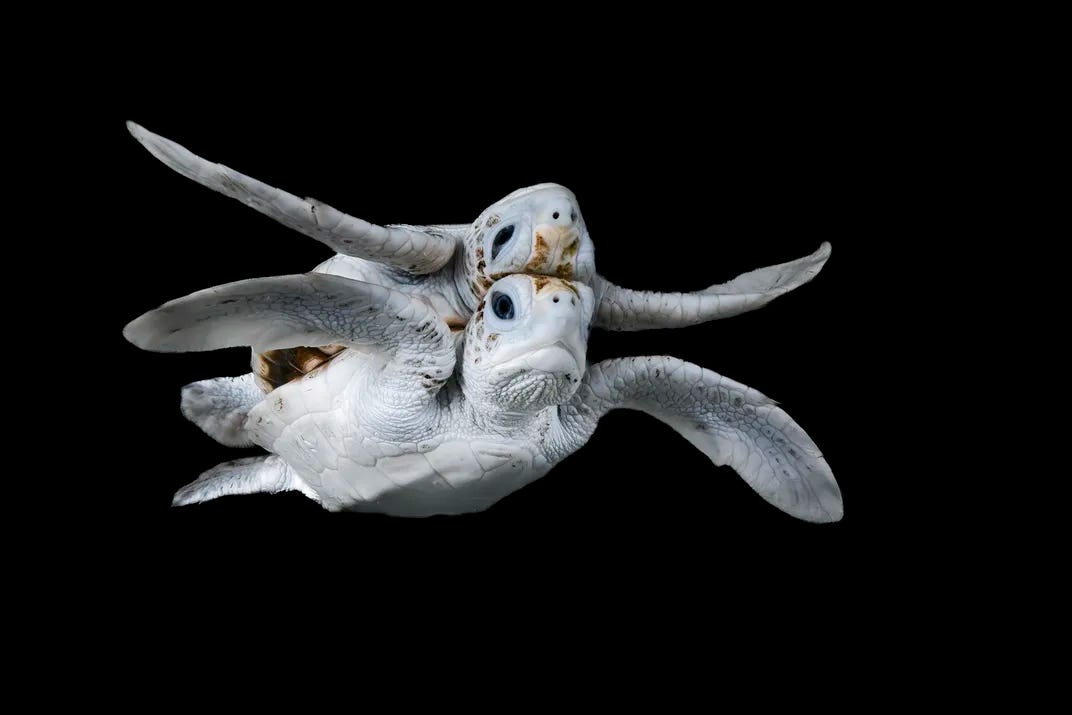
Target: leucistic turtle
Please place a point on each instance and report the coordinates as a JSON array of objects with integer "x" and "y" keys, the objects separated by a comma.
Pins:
[
  {"x": 537, "y": 230},
  {"x": 392, "y": 424}
]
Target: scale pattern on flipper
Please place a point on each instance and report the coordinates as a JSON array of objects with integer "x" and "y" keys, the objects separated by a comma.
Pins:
[{"x": 731, "y": 423}]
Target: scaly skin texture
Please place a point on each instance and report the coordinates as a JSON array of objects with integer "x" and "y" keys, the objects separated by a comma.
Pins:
[
  {"x": 355, "y": 456},
  {"x": 376, "y": 429},
  {"x": 220, "y": 406},
  {"x": 624, "y": 309},
  {"x": 412, "y": 249},
  {"x": 732, "y": 424},
  {"x": 415, "y": 347},
  {"x": 453, "y": 265}
]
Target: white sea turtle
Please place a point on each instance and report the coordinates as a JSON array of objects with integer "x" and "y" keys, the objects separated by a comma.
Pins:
[
  {"x": 536, "y": 230},
  {"x": 390, "y": 425}
]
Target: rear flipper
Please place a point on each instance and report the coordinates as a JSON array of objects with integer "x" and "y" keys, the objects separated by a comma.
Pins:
[
  {"x": 219, "y": 407},
  {"x": 251, "y": 475}
]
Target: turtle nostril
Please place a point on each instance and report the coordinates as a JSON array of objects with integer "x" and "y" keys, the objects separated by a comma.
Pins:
[
  {"x": 555, "y": 299},
  {"x": 554, "y": 215}
]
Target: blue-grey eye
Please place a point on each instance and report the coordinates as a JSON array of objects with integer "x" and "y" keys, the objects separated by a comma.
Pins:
[
  {"x": 503, "y": 305},
  {"x": 501, "y": 239}
]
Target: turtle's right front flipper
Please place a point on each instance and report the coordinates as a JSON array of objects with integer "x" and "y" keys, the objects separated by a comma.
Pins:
[
  {"x": 408, "y": 248},
  {"x": 731, "y": 423}
]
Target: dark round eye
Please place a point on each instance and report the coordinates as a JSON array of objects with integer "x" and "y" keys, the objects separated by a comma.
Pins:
[
  {"x": 501, "y": 239},
  {"x": 503, "y": 305}
]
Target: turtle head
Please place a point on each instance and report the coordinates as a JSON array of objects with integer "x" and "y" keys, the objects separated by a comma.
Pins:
[
  {"x": 537, "y": 230},
  {"x": 525, "y": 345}
]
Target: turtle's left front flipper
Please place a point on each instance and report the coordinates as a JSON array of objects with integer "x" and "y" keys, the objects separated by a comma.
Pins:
[
  {"x": 732, "y": 424},
  {"x": 409, "y": 248},
  {"x": 284, "y": 312},
  {"x": 625, "y": 309}
]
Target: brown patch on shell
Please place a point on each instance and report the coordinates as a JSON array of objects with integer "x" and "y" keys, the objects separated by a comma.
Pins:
[{"x": 276, "y": 368}]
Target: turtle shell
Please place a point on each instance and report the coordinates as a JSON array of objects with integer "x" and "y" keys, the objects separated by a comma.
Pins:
[{"x": 275, "y": 368}]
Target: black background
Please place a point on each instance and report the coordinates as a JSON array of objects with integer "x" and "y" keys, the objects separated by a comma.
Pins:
[
  {"x": 727, "y": 142},
  {"x": 685, "y": 178}
]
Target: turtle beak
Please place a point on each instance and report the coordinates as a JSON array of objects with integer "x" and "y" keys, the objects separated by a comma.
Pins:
[
  {"x": 557, "y": 307},
  {"x": 558, "y": 358},
  {"x": 556, "y": 342}
]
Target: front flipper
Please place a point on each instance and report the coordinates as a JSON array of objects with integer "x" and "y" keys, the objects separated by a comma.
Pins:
[
  {"x": 251, "y": 475},
  {"x": 732, "y": 424},
  {"x": 625, "y": 309},
  {"x": 406, "y": 247},
  {"x": 219, "y": 407},
  {"x": 311, "y": 309}
]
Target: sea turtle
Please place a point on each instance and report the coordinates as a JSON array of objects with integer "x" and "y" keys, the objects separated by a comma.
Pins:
[
  {"x": 536, "y": 230},
  {"x": 392, "y": 425}
]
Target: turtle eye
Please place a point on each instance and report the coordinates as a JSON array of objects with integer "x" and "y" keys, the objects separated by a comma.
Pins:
[
  {"x": 503, "y": 306},
  {"x": 501, "y": 239}
]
